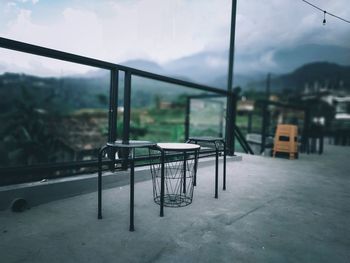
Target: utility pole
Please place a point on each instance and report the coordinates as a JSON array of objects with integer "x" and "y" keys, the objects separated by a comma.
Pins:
[
  {"x": 231, "y": 108},
  {"x": 265, "y": 113},
  {"x": 268, "y": 82}
]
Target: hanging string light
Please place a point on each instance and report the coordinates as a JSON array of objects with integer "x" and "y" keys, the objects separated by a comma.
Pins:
[{"x": 326, "y": 13}]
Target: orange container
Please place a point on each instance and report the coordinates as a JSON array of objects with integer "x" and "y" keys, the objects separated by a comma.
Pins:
[{"x": 286, "y": 140}]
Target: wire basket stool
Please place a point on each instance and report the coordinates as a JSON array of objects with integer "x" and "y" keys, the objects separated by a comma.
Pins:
[{"x": 180, "y": 167}]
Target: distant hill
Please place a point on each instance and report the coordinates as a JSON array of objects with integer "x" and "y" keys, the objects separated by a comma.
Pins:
[
  {"x": 290, "y": 59},
  {"x": 210, "y": 67},
  {"x": 70, "y": 93},
  {"x": 324, "y": 73}
]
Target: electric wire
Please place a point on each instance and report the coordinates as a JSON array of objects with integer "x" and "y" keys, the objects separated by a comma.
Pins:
[{"x": 326, "y": 12}]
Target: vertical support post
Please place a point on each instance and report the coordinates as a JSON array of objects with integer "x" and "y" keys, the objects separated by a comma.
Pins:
[
  {"x": 132, "y": 186},
  {"x": 99, "y": 182},
  {"x": 187, "y": 118},
  {"x": 221, "y": 122},
  {"x": 263, "y": 127},
  {"x": 99, "y": 186},
  {"x": 230, "y": 115},
  {"x": 126, "y": 116},
  {"x": 230, "y": 122},
  {"x": 232, "y": 45},
  {"x": 224, "y": 177},
  {"x": 113, "y": 106},
  {"x": 184, "y": 174},
  {"x": 307, "y": 130},
  {"x": 268, "y": 81},
  {"x": 113, "y": 114},
  {"x": 216, "y": 170},
  {"x": 127, "y": 106},
  {"x": 249, "y": 128},
  {"x": 195, "y": 167},
  {"x": 321, "y": 140},
  {"x": 162, "y": 183}
]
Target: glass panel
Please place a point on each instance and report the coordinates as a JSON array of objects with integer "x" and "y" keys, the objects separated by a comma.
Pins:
[
  {"x": 207, "y": 116},
  {"x": 51, "y": 118},
  {"x": 159, "y": 110}
]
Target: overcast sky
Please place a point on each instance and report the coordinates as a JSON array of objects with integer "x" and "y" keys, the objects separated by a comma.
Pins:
[{"x": 160, "y": 30}]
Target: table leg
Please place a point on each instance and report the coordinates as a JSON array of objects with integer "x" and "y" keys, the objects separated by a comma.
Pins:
[
  {"x": 224, "y": 168},
  {"x": 184, "y": 178},
  {"x": 195, "y": 167},
  {"x": 131, "y": 228},
  {"x": 162, "y": 184},
  {"x": 99, "y": 187},
  {"x": 216, "y": 171}
]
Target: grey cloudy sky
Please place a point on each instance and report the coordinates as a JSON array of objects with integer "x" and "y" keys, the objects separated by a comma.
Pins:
[{"x": 161, "y": 31}]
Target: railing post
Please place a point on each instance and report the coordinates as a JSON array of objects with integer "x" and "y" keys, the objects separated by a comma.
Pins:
[
  {"x": 231, "y": 100},
  {"x": 187, "y": 118},
  {"x": 113, "y": 106},
  {"x": 113, "y": 112},
  {"x": 306, "y": 131},
  {"x": 263, "y": 127},
  {"x": 230, "y": 122},
  {"x": 126, "y": 115},
  {"x": 221, "y": 124},
  {"x": 249, "y": 126},
  {"x": 127, "y": 108}
]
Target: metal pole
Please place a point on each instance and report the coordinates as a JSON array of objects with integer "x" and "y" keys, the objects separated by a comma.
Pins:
[
  {"x": 249, "y": 128},
  {"x": 132, "y": 187},
  {"x": 230, "y": 124},
  {"x": 216, "y": 170},
  {"x": 126, "y": 117},
  {"x": 268, "y": 81},
  {"x": 232, "y": 45},
  {"x": 224, "y": 177},
  {"x": 112, "y": 114},
  {"x": 162, "y": 183},
  {"x": 187, "y": 118},
  {"x": 184, "y": 174},
  {"x": 127, "y": 107},
  {"x": 221, "y": 122},
  {"x": 263, "y": 128},
  {"x": 230, "y": 114},
  {"x": 113, "y": 106}
]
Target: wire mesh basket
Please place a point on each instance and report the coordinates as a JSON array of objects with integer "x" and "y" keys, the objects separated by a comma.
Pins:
[{"x": 179, "y": 172}]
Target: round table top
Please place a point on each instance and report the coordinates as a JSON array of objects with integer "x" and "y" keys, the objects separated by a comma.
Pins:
[
  {"x": 178, "y": 146},
  {"x": 131, "y": 144}
]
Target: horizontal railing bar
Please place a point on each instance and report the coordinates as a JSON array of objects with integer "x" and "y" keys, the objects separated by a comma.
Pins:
[
  {"x": 180, "y": 82},
  {"x": 65, "y": 56},
  {"x": 52, "y": 53},
  {"x": 281, "y": 104},
  {"x": 105, "y": 167},
  {"x": 204, "y": 96},
  {"x": 51, "y": 167},
  {"x": 73, "y": 165}
]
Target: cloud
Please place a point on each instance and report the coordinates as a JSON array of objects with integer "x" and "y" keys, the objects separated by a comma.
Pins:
[{"x": 163, "y": 31}]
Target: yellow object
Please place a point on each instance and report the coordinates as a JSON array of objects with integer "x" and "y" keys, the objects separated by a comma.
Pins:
[{"x": 286, "y": 140}]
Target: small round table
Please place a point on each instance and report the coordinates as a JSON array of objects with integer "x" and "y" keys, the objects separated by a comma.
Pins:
[
  {"x": 216, "y": 142},
  {"x": 129, "y": 148},
  {"x": 172, "y": 169}
]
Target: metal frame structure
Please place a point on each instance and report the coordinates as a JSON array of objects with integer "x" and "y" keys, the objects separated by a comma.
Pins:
[
  {"x": 113, "y": 102},
  {"x": 216, "y": 143}
]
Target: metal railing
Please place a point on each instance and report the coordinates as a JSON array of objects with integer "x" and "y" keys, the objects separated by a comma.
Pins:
[{"x": 113, "y": 100}]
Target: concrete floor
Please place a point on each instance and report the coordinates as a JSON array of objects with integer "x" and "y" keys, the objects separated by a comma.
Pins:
[{"x": 274, "y": 210}]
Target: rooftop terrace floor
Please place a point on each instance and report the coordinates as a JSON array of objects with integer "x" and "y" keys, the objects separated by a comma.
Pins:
[{"x": 274, "y": 210}]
